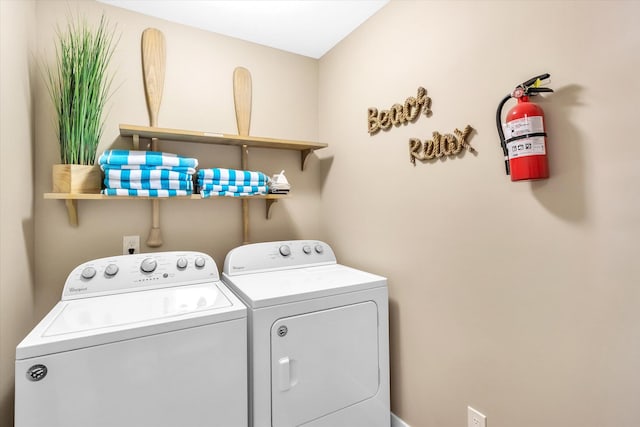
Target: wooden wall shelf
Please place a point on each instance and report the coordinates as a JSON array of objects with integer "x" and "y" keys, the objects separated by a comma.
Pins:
[
  {"x": 71, "y": 200},
  {"x": 306, "y": 148}
]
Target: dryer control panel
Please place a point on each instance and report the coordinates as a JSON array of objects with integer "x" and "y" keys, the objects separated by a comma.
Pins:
[
  {"x": 129, "y": 273},
  {"x": 268, "y": 256}
]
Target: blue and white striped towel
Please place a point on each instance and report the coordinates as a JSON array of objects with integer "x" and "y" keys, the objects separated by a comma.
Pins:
[
  {"x": 149, "y": 158},
  {"x": 145, "y": 193},
  {"x": 231, "y": 175},
  {"x": 155, "y": 184},
  {"x": 202, "y": 182},
  {"x": 180, "y": 169},
  {"x": 260, "y": 189},
  {"x": 148, "y": 175},
  {"x": 205, "y": 193}
]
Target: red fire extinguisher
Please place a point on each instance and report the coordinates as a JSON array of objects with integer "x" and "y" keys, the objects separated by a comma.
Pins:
[{"x": 523, "y": 138}]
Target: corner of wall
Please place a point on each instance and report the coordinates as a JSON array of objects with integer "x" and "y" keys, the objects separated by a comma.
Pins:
[{"x": 18, "y": 34}]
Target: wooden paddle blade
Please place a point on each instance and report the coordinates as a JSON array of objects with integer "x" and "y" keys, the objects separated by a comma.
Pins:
[
  {"x": 242, "y": 99},
  {"x": 153, "y": 65}
]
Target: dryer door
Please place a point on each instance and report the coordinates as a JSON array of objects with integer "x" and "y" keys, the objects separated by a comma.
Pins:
[{"x": 322, "y": 362}]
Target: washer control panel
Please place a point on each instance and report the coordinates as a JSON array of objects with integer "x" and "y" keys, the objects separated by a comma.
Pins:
[
  {"x": 128, "y": 273},
  {"x": 268, "y": 256}
]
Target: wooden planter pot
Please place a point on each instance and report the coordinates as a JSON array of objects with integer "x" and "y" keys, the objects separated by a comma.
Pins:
[{"x": 76, "y": 179}]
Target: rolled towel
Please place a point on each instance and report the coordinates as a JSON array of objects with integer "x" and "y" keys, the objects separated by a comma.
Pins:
[
  {"x": 149, "y": 175},
  {"x": 206, "y": 193},
  {"x": 155, "y": 184},
  {"x": 235, "y": 188},
  {"x": 180, "y": 169},
  {"x": 149, "y": 158},
  {"x": 233, "y": 176},
  {"x": 145, "y": 193}
]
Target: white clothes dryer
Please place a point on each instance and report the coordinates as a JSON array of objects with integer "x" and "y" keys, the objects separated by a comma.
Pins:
[
  {"x": 318, "y": 336},
  {"x": 149, "y": 340}
]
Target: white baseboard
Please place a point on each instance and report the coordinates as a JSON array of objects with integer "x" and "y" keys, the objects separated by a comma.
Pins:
[{"x": 397, "y": 422}]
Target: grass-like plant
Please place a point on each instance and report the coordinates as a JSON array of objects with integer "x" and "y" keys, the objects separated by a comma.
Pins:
[{"x": 79, "y": 86}]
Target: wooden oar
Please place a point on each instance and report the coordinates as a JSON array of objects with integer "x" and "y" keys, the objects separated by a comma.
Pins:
[
  {"x": 242, "y": 102},
  {"x": 153, "y": 66}
]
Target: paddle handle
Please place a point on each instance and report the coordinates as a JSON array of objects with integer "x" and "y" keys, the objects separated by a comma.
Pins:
[
  {"x": 153, "y": 70},
  {"x": 242, "y": 102}
]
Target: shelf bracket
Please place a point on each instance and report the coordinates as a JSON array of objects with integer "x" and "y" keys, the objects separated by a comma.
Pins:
[
  {"x": 136, "y": 141},
  {"x": 72, "y": 211},
  {"x": 270, "y": 203},
  {"x": 304, "y": 157}
]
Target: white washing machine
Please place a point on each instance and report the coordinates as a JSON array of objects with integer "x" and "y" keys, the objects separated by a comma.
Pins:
[
  {"x": 318, "y": 336},
  {"x": 149, "y": 340}
]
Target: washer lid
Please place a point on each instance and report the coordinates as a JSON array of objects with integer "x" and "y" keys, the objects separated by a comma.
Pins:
[
  {"x": 93, "y": 321},
  {"x": 299, "y": 284}
]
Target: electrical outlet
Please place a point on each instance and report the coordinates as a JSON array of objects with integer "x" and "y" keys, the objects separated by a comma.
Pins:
[
  {"x": 130, "y": 245},
  {"x": 475, "y": 418}
]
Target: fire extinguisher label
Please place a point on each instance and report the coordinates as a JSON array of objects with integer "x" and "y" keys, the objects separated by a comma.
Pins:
[
  {"x": 533, "y": 146},
  {"x": 523, "y": 126}
]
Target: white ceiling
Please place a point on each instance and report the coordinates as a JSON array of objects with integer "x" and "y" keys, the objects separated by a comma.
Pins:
[{"x": 306, "y": 27}]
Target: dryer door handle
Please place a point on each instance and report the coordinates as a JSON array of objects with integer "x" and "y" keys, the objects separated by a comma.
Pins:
[{"x": 286, "y": 374}]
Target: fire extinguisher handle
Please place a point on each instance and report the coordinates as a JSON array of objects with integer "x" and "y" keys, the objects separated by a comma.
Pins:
[
  {"x": 535, "y": 90},
  {"x": 532, "y": 80}
]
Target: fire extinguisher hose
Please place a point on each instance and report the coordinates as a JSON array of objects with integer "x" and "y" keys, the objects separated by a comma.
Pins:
[{"x": 503, "y": 143}]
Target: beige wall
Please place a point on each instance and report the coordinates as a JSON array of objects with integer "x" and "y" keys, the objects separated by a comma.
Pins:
[
  {"x": 197, "y": 95},
  {"x": 17, "y": 37},
  {"x": 519, "y": 299}
]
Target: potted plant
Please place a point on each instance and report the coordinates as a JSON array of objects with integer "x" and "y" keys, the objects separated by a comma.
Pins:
[{"x": 79, "y": 87}]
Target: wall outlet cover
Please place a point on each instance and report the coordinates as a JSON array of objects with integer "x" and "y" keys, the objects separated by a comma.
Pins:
[
  {"x": 475, "y": 418},
  {"x": 130, "y": 245}
]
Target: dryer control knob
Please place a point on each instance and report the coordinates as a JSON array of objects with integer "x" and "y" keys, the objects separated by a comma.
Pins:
[
  {"x": 285, "y": 250},
  {"x": 111, "y": 270},
  {"x": 88, "y": 273},
  {"x": 181, "y": 263},
  {"x": 306, "y": 249},
  {"x": 200, "y": 262},
  {"x": 319, "y": 249},
  {"x": 148, "y": 265}
]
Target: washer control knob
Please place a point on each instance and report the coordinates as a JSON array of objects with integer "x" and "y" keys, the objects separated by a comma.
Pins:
[
  {"x": 111, "y": 270},
  {"x": 285, "y": 250},
  {"x": 148, "y": 265},
  {"x": 200, "y": 262},
  {"x": 306, "y": 249},
  {"x": 181, "y": 263},
  {"x": 319, "y": 249},
  {"x": 88, "y": 273}
]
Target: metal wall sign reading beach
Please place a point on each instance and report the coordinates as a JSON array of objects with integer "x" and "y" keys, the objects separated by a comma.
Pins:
[{"x": 438, "y": 147}]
